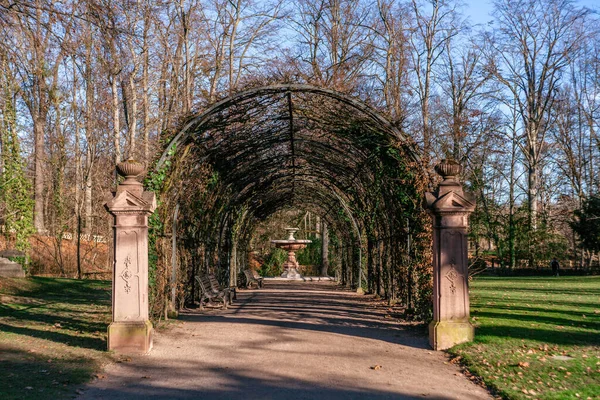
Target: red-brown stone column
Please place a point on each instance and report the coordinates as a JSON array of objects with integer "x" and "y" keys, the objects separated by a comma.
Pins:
[
  {"x": 130, "y": 330},
  {"x": 449, "y": 208}
]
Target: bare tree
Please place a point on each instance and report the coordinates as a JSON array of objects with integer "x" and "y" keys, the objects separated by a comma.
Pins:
[
  {"x": 236, "y": 30},
  {"x": 392, "y": 56},
  {"x": 531, "y": 48},
  {"x": 36, "y": 51},
  {"x": 585, "y": 82},
  {"x": 335, "y": 42},
  {"x": 464, "y": 82},
  {"x": 435, "y": 22}
]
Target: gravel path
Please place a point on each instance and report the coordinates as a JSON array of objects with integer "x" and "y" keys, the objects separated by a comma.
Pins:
[{"x": 287, "y": 341}]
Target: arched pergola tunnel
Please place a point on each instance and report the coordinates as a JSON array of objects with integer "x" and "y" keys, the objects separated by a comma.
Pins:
[
  {"x": 288, "y": 147},
  {"x": 302, "y": 147}
]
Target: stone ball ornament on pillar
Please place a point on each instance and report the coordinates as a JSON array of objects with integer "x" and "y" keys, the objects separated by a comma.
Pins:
[
  {"x": 130, "y": 330},
  {"x": 450, "y": 207}
]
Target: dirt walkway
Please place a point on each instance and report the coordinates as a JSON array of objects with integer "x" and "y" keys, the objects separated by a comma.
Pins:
[{"x": 288, "y": 341}]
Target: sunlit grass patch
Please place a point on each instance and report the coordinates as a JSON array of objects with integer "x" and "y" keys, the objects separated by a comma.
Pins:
[{"x": 536, "y": 338}]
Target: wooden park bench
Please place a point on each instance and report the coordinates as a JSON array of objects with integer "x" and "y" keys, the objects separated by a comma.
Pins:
[
  {"x": 253, "y": 277},
  {"x": 207, "y": 292},
  {"x": 214, "y": 284}
]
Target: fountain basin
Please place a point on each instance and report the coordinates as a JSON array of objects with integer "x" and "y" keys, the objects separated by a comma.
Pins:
[{"x": 291, "y": 245}]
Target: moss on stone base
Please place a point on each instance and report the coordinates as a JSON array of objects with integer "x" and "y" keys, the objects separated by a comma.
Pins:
[
  {"x": 130, "y": 337},
  {"x": 446, "y": 334}
]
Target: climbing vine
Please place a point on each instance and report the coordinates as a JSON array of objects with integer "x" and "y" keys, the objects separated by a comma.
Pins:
[
  {"x": 154, "y": 182},
  {"x": 15, "y": 188}
]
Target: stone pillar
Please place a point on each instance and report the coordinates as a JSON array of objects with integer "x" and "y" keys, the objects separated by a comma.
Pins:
[
  {"x": 449, "y": 208},
  {"x": 130, "y": 330}
]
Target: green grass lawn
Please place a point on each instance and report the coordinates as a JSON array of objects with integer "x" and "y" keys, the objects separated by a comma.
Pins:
[
  {"x": 536, "y": 338},
  {"x": 52, "y": 335}
]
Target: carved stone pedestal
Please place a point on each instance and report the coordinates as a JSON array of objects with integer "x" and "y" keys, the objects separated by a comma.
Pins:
[
  {"x": 290, "y": 267},
  {"x": 449, "y": 208},
  {"x": 130, "y": 330}
]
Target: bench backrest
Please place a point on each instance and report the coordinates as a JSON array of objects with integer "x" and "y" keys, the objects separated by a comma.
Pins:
[
  {"x": 249, "y": 275},
  {"x": 214, "y": 283},
  {"x": 204, "y": 282}
]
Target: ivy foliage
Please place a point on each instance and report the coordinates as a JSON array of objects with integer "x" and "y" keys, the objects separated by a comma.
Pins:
[
  {"x": 15, "y": 188},
  {"x": 311, "y": 254},
  {"x": 273, "y": 265},
  {"x": 154, "y": 182}
]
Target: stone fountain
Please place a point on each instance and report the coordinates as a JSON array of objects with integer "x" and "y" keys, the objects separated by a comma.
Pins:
[{"x": 291, "y": 245}]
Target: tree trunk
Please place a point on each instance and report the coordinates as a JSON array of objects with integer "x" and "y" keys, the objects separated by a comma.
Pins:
[
  {"x": 532, "y": 195},
  {"x": 88, "y": 195},
  {"x": 133, "y": 116},
  {"x": 39, "y": 125},
  {"x": 90, "y": 137},
  {"x": 146, "y": 106},
  {"x": 370, "y": 271},
  {"x": 324, "y": 249},
  {"x": 116, "y": 122}
]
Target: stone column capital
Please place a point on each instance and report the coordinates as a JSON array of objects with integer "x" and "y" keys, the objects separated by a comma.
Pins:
[
  {"x": 130, "y": 197},
  {"x": 449, "y": 198},
  {"x": 125, "y": 202}
]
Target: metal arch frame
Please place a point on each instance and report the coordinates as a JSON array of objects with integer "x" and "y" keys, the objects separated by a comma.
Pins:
[{"x": 197, "y": 121}]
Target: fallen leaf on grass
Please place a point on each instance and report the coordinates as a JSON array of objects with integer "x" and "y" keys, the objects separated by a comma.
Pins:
[
  {"x": 376, "y": 367},
  {"x": 523, "y": 364}
]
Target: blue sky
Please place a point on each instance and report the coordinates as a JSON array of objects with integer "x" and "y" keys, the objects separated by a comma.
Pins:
[{"x": 479, "y": 10}]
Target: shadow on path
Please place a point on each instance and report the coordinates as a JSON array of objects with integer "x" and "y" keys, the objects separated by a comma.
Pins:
[
  {"x": 288, "y": 341},
  {"x": 315, "y": 308},
  {"x": 248, "y": 387}
]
